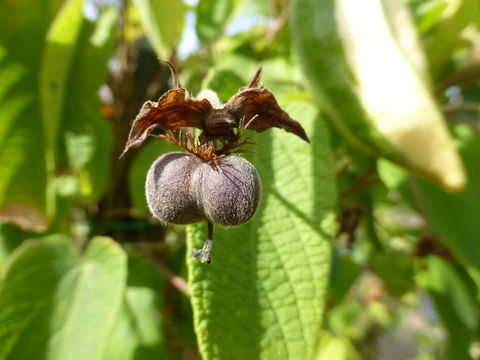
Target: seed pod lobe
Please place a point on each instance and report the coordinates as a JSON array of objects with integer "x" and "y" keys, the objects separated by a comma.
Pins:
[
  {"x": 228, "y": 190},
  {"x": 169, "y": 191}
]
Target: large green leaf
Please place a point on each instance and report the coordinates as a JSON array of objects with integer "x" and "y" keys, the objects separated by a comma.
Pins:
[
  {"x": 57, "y": 304},
  {"x": 138, "y": 330},
  {"x": 86, "y": 133},
  {"x": 24, "y": 27},
  {"x": 61, "y": 78},
  {"x": 163, "y": 22},
  {"x": 263, "y": 294},
  {"x": 58, "y": 55}
]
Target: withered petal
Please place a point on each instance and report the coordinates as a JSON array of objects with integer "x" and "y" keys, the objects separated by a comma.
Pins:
[
  {"x": 261, "y": 103},
  {"x": 174, "y": 109}
]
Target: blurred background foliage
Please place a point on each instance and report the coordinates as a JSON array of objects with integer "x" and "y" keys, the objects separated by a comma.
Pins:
[{"x": 87, "y": 273}]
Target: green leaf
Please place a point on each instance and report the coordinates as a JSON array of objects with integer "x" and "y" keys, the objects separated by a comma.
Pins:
[
  {"x": 163, "y": 22},
  {"x": 57, "y": 303},
  {"x": 87, "y": 134},
  {"x": 137, "y": 332},
  {"x": 69, "y": 80},
  {"x": 57, "y": 59},
  {"x": 137, "y": 174},
  {"x": 24, "y": 27},
  {"x": 455, "y": 297},
  {"x": 262, "y": 296},
  {"x": 212, "y": 16}
]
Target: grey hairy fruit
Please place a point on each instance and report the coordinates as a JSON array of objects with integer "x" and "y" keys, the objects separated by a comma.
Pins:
[
  {"x": 170, "y": 196},
  {"x": 183, "y": 189},
  {"x": 229, "y": 192}
]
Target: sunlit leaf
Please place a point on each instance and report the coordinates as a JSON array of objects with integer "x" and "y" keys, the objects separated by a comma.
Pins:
[
  {"x": 138, "y": 332},
  {"x": 24, "y": 27},
  {"x": 57, "y": 59},
  {"x": 57, "y": 303},
  {"x": 87, "y": 134}
]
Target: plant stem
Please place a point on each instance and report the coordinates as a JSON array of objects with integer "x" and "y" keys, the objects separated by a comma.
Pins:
[
  {"x": 177, "y": 281},
  {"x": 203, "y": 254}
]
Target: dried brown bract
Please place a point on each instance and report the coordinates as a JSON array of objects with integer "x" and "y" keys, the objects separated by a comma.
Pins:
[{"x": 253, "y": 106}]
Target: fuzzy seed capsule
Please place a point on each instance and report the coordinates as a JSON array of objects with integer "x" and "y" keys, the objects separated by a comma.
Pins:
[
  {"x": 170, "y": 196},
  {"x": 184, "y": 189},
  {"x": 228, "y": 191}
]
